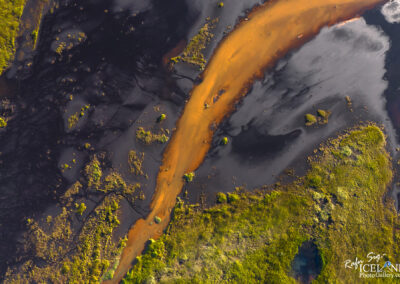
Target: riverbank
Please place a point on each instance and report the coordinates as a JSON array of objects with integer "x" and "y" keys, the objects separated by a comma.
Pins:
[
  {"x": 271, "y": 31},
  {"x": 255, "y": 237}
]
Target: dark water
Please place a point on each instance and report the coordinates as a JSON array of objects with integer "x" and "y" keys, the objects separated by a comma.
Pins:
[
  {"x": 118, "y": 71},
  {"x": 307, "y": 263},
  {"x": 391, "y": 27},
  {"x": 267, "y": 131}
]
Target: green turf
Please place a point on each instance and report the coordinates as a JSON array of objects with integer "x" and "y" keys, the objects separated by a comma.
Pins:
[
  {"x": 10, "y": 14},
  {"x": 254, "y": 237}
]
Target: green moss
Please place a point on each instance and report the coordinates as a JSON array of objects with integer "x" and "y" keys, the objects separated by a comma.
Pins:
[
  {"x": 338, "y": 204},
  {"x": 221, "y": 197},
  {"x": 74, "y": 119},
  {"x": 346, "y": 151},
  {"x": 93, "y": 173},
  {"x": 61, "y": 47},
  {"x": 10, "y": 14},
  {"x": 147, "y": 137},
  {"x": 3, "y": 122},
  {"x": 113, "y": 182},
  {"x": 188, "y": 177},
  {"x": 135, "y": 162},
  {"x": 34, "y": 36},
  {"x": 85, "y": 256},
  {"x": 69, "y": 195},
  {"x": 193, "y": 53},
  {"x": 80, "y": 208},
  {"x": 65, "y": 167},
  {"x": 233, "y": 197},
  {"x": 323, "y": 116},
  {"x": 310, "y": 119},
  {"x": 161, "y": 117},
  {"x": 224, "y": 141}
]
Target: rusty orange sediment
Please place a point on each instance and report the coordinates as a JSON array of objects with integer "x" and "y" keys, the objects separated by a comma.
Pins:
[{"x": 272, "y": 29}]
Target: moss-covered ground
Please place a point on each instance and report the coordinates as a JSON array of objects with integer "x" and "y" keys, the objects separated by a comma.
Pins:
[
  {"x": 193, "y": 52},
  {"x": 135, "y": 161},
  {"x": 339, "y": 205},
  {"x": 78, "y": 245},
  {"x": 147, "y": 137},
  {"x": 10, "y": 14}
]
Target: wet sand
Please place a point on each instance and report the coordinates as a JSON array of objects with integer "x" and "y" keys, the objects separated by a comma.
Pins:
[{"x": 255, "y": 45}]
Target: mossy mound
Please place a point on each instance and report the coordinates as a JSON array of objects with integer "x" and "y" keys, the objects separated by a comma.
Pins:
[
  {"x": 339, "y": 205},
  {"x": 188, "y": 177},
  {"x": 147, "y": 137},
  {"x": 310, "y": 119}
]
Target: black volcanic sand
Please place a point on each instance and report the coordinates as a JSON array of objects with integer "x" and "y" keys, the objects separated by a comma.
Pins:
[
  {"x": 267, "y": 132},
  {"x": 118, "y": 71}
]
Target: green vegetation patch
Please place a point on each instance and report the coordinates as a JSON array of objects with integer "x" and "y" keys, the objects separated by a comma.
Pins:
[
  {"x": 74, "y": 119},
  {"x": 253, "y": 238},
  {"x": 135, "y": 161},
  {"x": 93, "y": 173},
  {"x": 162, "y": 117},
  {"x": 80, "y": 208},
  {"x": 193, "y": 53},
  {"x": 323, "y": 116},
  {"x": 79, "y": 244},
  {"x": 310, "y": 119},
  {"x": 10, "y": 14},
  {"x": 188, "y": 177},
  {"x": 224, "y": 141},
  {"x": 69, "y": 260},
  {"x": 3, "y": 122},
  {"x": 147, "y": 137},
  {"x": 221, "y": 197}
]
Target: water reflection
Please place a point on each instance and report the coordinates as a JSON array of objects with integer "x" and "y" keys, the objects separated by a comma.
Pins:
[{"x": 344, "y": 60}]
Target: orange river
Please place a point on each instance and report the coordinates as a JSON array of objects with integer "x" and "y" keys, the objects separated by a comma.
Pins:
[{"x": 271, "y": 31}]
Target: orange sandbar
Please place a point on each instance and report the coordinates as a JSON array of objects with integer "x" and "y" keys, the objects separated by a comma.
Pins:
[{"x": 272, "y": 30}]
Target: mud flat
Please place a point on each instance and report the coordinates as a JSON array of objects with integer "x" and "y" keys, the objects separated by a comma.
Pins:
[{"x": 270, "y": 31}]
